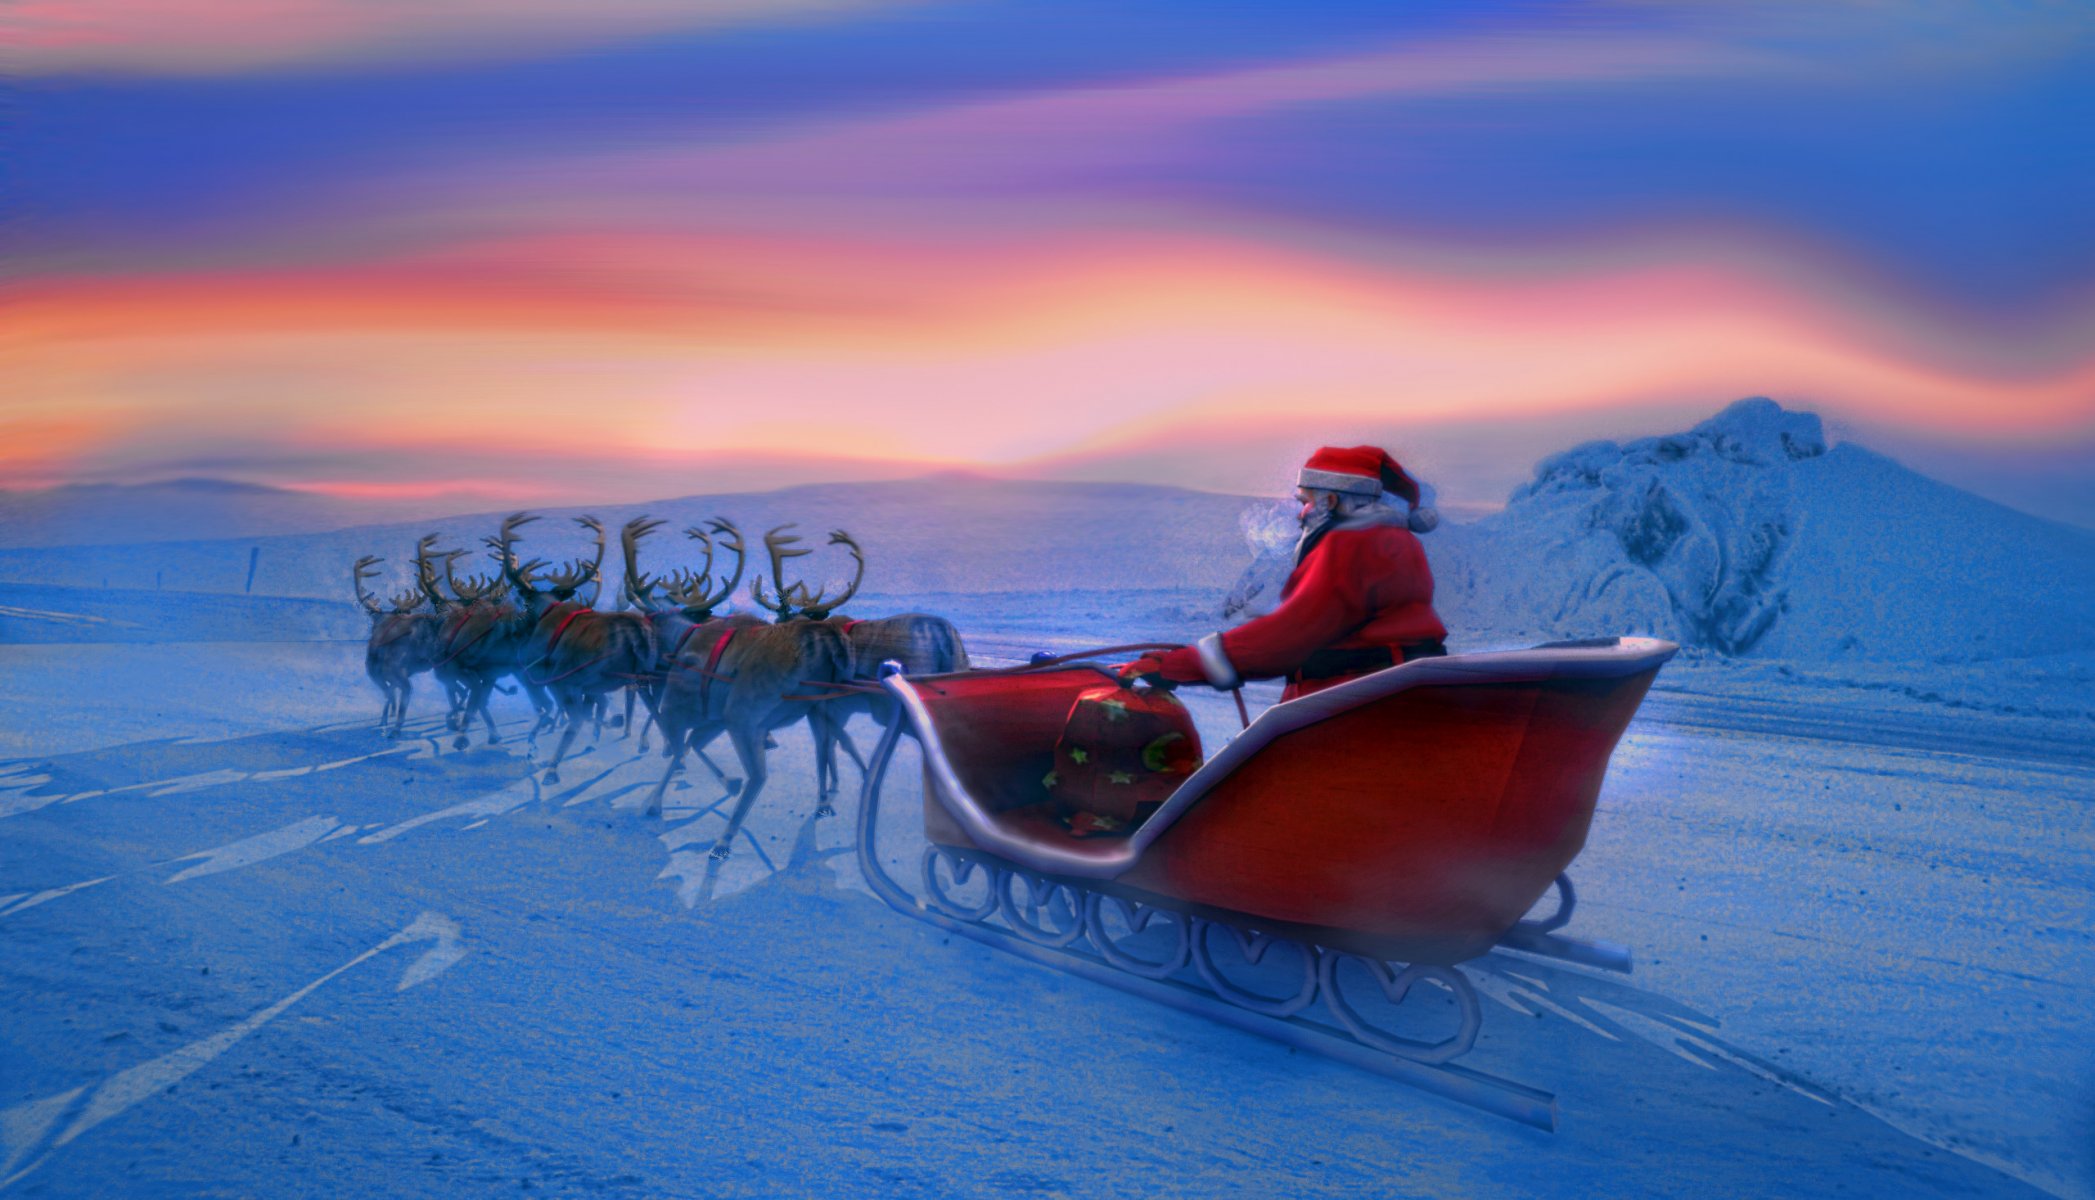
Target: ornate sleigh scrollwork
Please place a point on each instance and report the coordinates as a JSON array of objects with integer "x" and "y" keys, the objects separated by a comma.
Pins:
[{"x": 959, "y": 868}]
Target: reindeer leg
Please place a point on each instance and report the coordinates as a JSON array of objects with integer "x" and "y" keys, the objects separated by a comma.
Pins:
[
  {"x": 576, "y": 712},
  {"x": 729, "y": 783},
  {"x": 455, "y": 692},
  {"x": 825, "y": 759},
  {"x": 541, "y": 705},
  {"x": 407, "y": 692},
  {"x": 476, "y": 701},
  {"x": 647, "y": 701},
  {"x": 485, "y": 700},
  {"x": 749, "y": 747},
  {"x": 673, "y": 744},
  {"x": 837, "y": 736},
  {"x": 843, "y": 738},
  {"x": 397, "y": 699}
]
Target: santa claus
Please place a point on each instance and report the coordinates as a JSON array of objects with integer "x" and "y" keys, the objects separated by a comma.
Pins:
[{"x": 1359, "y": 599}]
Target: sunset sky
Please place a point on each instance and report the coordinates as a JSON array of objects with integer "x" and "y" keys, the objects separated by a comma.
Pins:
[{"x": 536, "y": 251}]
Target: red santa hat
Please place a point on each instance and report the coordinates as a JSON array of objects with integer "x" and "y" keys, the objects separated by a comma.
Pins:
[{"x": 1366, "y": 471}]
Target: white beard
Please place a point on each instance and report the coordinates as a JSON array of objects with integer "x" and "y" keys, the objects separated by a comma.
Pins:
[{"x": 1313, "y": 524}]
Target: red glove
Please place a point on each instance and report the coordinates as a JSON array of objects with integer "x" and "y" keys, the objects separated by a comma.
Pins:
[{"x": 1148, "y": 664}]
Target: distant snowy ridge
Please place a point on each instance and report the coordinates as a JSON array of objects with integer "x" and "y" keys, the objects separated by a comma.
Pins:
[
  {"x": 945, "y": 533},
  {"x": 178, "y": 510},
  {"x": 1747, "y": 535}
]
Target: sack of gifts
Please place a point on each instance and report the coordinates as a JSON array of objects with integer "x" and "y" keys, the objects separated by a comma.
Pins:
[{"x": 1122, "y": 753}]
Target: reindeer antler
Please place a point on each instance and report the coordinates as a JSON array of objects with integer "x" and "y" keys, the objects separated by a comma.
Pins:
[
  {"x": 570, "y": 577},
  {"x": 694, "y": 590},
  {"x": 640, "y": 587},
  {"x": 780, "y": 550},
  {"x": 364, "y": 568},
  {"x": 815, "y": 606},
  {"x": 425, "y": 570},
  {"x": 687, "y": 588},
  {"x": 596, "y": 569},
  {"x": 504, "y": 546},
  {"x": 524, "y": 576},
  {"x": 475, "y": 588},
  {"x": 731, "y": 538}
]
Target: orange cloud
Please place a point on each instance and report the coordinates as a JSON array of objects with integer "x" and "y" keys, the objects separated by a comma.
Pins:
[
  {"x": 657, "y": 349},
  {"x": 38, "y": 450}
]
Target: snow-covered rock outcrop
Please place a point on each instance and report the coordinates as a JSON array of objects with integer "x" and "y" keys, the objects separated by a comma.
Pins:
[
  {"x": 1687, "y": 536},
  {"x": 1749, "y": 535}
]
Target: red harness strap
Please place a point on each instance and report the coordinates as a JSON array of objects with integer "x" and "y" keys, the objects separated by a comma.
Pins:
[
  {"x": 457, "y": 625},
  {"x": 848, "y": 626},
  {"x": 681, "y": 639},
  {"x": 559, "y": 630},
  {"x": 705, "y": 681}
]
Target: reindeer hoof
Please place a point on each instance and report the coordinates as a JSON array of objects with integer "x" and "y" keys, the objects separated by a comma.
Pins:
[
  {"x": 552, "y": 776},
  {"x": 461, "y": 742},
  {"x": 824, "y": 810},
  {"x": 733, "y": 786},
  {"x": 719, "y": 852}
]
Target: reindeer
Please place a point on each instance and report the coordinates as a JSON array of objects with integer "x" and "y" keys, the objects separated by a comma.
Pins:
[
  {"x": 922, "y": 643},
  {"x": 574, "y": 652},
  {"x": 402, "y": 645},
  {"x": 481, "y": 639},
  {"x": 753, "y": 679},
  {"x": 687, "y": 598},
  {"x": 440, "y": 607},
  {"x": 736, "y": 675}
]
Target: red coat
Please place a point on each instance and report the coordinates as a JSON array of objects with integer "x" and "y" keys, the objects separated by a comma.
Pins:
[{"x": 1364, "y": 584}]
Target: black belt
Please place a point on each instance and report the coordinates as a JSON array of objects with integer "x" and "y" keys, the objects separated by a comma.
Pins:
[{"x": 1329, "y": 664}]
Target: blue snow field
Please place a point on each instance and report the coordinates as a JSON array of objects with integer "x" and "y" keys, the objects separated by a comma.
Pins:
[{"x": 249, "y": 946}]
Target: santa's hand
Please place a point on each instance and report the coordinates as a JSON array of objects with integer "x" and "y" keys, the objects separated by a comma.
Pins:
[{"x": 1148, "y": 665}]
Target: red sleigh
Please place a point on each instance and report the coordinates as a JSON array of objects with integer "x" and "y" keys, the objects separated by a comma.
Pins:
[{"x": 1382, "y": 830}]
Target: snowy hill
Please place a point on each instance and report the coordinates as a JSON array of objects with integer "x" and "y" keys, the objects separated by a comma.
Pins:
[
  {"x": 180, "y": 510},
  {"x": 944, "y": 533},
  {"x": 1750, "y": 536}
]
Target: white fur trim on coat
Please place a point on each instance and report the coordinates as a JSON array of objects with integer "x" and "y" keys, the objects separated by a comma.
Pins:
[{"x": 1215, "y": 664}]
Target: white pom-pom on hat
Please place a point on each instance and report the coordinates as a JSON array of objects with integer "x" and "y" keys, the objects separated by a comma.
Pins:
[{"x": 1424, "y": 517}]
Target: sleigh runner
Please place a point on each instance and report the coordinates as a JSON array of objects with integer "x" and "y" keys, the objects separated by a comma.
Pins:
[{"x": 1349, "y": 844}]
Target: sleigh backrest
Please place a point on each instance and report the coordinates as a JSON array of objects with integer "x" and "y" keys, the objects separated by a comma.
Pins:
[{"x": 1427, "y": 818}]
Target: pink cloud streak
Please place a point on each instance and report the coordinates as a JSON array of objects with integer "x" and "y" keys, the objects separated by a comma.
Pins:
[{"x": 210, "y": 37}]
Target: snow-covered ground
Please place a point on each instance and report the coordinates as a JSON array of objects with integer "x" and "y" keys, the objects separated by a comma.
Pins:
[{"x": 252, "y": 948}]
